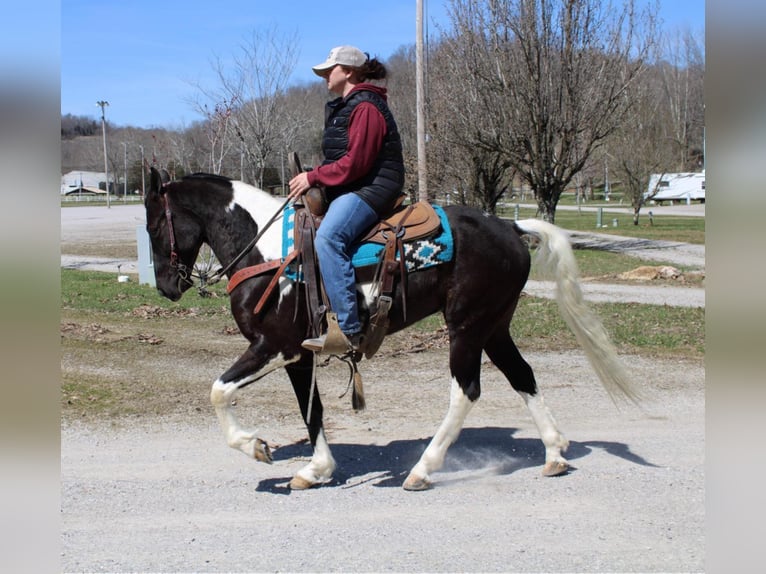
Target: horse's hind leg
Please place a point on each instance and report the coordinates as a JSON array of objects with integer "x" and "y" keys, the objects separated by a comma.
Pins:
[
  {"x": 502, "y": 351},
  {"x": 465, "y": 365}
]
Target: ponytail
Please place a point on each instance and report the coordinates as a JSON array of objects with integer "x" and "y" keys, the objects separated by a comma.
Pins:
[{"x": 372, "y": 69}]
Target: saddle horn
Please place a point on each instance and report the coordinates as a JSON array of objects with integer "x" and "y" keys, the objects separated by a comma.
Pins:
[{"x": 294, "y": 163}]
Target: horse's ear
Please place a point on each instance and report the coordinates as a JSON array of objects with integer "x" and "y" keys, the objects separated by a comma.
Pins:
[
  {"x": 165, "y": 176},
  {"x": 156, "y": 180}
]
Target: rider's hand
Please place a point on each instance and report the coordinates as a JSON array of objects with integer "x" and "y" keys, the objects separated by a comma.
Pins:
[{"x": 299, "y": 185}]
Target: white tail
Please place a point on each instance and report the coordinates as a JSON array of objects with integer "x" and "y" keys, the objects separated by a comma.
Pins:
[{"x": 555, "y": 260}]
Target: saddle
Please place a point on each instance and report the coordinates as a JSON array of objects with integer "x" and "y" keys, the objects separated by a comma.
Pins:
[
  {"x": 412, "y": 222},
  {"x": 407, "y": 223}
]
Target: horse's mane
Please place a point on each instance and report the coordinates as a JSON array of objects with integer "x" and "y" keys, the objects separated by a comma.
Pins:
[{"x": 203, "y": 175}]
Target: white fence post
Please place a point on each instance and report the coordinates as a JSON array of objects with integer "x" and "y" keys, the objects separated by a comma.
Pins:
[{"x": 145, "y": 259}]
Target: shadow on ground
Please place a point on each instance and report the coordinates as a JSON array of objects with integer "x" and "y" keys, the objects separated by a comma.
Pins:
[{"x": 478, "y": 452}]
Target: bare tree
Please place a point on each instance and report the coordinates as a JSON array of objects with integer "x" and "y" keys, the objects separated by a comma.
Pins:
[
  {"x": 663, "y": 130},
  {"x": 641, "y": 147},
  {"x": 471, "y": 133},
  {"x": 401, "y": 99},
  {"x": 217, "y": 133},
  {"x": 683, "y": 73},
  {"x": 559, "y": 71},
  {"x": 245, "y": 111},
  {"x": 305, "y": 105}
]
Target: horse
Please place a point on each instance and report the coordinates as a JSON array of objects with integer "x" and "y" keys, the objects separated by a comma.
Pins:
[{"x": 477, "y": 293}]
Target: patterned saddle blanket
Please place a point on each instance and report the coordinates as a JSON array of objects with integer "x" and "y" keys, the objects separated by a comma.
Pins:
[{"x": 418, "y": 254}]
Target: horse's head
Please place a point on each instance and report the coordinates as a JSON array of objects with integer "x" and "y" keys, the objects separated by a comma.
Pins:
[{"x": 176, "y": 236}]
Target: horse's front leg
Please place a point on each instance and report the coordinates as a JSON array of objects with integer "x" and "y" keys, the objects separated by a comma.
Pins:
[
  {"x": 250, "y": 367},
  {"x": 322, "y": 465}
]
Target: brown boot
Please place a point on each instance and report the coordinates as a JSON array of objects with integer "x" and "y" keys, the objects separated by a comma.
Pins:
[
  {"x": 335, "y": 341},
  {"x": 320, "y": 344}
]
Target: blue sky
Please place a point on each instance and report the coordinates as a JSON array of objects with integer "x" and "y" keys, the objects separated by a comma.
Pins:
[{"x": 145, "y": 57}]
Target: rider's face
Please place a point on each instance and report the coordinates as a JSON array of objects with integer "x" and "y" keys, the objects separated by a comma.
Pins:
[{"x": 337, "y": 79}]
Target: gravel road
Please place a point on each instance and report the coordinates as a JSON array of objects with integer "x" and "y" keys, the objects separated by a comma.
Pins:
[{"x": 165, "y": 494}]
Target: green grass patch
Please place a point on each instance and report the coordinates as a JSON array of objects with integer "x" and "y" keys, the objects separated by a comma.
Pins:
[
  {"x": 102, "y": 293},
  {"x": 685, "y": 229},
  {"x": 654, "y": 330},
  {"x": 594, "y": 264},
  {"x": 634, "y": 328},
  {"x": 91, "y": 296}
]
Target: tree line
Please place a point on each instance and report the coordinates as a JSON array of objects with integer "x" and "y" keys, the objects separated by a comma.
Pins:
[{"x": 524, "y": 97}]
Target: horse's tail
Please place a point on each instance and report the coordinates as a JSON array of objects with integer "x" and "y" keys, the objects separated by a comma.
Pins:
[{"x": 555, "y": 259}]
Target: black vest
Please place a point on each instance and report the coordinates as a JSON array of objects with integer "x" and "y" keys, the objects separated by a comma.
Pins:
[{"x": 382, "y": 186}]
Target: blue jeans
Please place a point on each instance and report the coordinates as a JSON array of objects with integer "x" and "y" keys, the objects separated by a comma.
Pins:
[{"x": 346, "y": 219}]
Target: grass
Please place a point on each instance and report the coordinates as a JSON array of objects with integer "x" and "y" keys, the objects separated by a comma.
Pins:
[
  {"x": 96, "y": 298},
  {"x": 604, "y": 266},
  {"x": 664, "y": 227},
  {"x": 101, "y": 293},
  {"x": 646, "y": 329}
]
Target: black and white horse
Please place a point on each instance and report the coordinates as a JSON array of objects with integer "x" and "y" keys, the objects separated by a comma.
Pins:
[{"x": 477, "y": 292}]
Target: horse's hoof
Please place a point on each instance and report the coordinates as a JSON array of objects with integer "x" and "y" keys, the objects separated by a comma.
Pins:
[
  {"x": 262, "y": 452},
  {"x": 415, "y": 483},
  {"x": 300, "y": 483},
  {"x": 555, "y": 468}
]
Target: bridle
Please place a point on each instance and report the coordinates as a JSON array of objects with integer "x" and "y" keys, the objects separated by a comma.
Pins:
[{"x": 182, "y": 270}]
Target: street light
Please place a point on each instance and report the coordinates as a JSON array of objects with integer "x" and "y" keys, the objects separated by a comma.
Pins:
[
  {"x": 103, "y": 104},
  {"x": 125, "y": 183}
]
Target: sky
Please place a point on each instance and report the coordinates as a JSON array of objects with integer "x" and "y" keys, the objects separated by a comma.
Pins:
[{"x": 147, "y": 58}]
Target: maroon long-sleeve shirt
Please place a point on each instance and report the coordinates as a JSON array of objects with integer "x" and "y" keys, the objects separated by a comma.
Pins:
[{"x": 366, "y": 130}]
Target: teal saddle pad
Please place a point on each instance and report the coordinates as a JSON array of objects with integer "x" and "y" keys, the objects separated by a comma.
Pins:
[{"x": 420, "y": 254}]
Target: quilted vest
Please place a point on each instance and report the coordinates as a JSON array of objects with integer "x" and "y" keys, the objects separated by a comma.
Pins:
[{"x": 382, "y": 186}]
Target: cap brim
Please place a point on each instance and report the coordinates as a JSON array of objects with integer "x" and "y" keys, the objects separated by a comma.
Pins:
[{"x": 320, "y": 69}]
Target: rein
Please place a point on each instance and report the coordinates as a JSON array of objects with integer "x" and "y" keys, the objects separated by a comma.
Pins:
[
  {"x": 183, "y": 270},
  {"x": 221, "y": 272}
]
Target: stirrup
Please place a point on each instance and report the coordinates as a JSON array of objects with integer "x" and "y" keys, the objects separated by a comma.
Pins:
[{"x": 334, "y": 342}]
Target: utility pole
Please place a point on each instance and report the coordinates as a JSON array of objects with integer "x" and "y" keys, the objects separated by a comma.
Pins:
[
  {"x": 420, "y": 105},
  {"x": 143, "y": 173},
  {"x": 125, "y": 168},
  {"x": 103, "y": 104}
]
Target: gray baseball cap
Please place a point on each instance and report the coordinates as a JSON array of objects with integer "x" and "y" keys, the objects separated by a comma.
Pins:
[{"x": 341, "y": 55}]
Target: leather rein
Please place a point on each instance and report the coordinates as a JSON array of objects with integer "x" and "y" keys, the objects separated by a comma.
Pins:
[{"x": 185, "y": 275}]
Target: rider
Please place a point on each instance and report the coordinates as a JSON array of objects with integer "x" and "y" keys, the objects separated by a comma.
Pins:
[{"x": 362, "y": 175}]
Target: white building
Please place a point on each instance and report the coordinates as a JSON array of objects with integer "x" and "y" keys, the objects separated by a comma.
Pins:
[
  {"x": 88, "y": 181},
  {"x": 686, "y": 187}
]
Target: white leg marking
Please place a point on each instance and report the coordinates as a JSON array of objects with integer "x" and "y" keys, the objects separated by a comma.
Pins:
[
  {"x": 553, "y": 440},
  {"x": 433, "y": 457},
  {"x": 222, "y": 396},
  {"x": 322, "y": 464}
]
